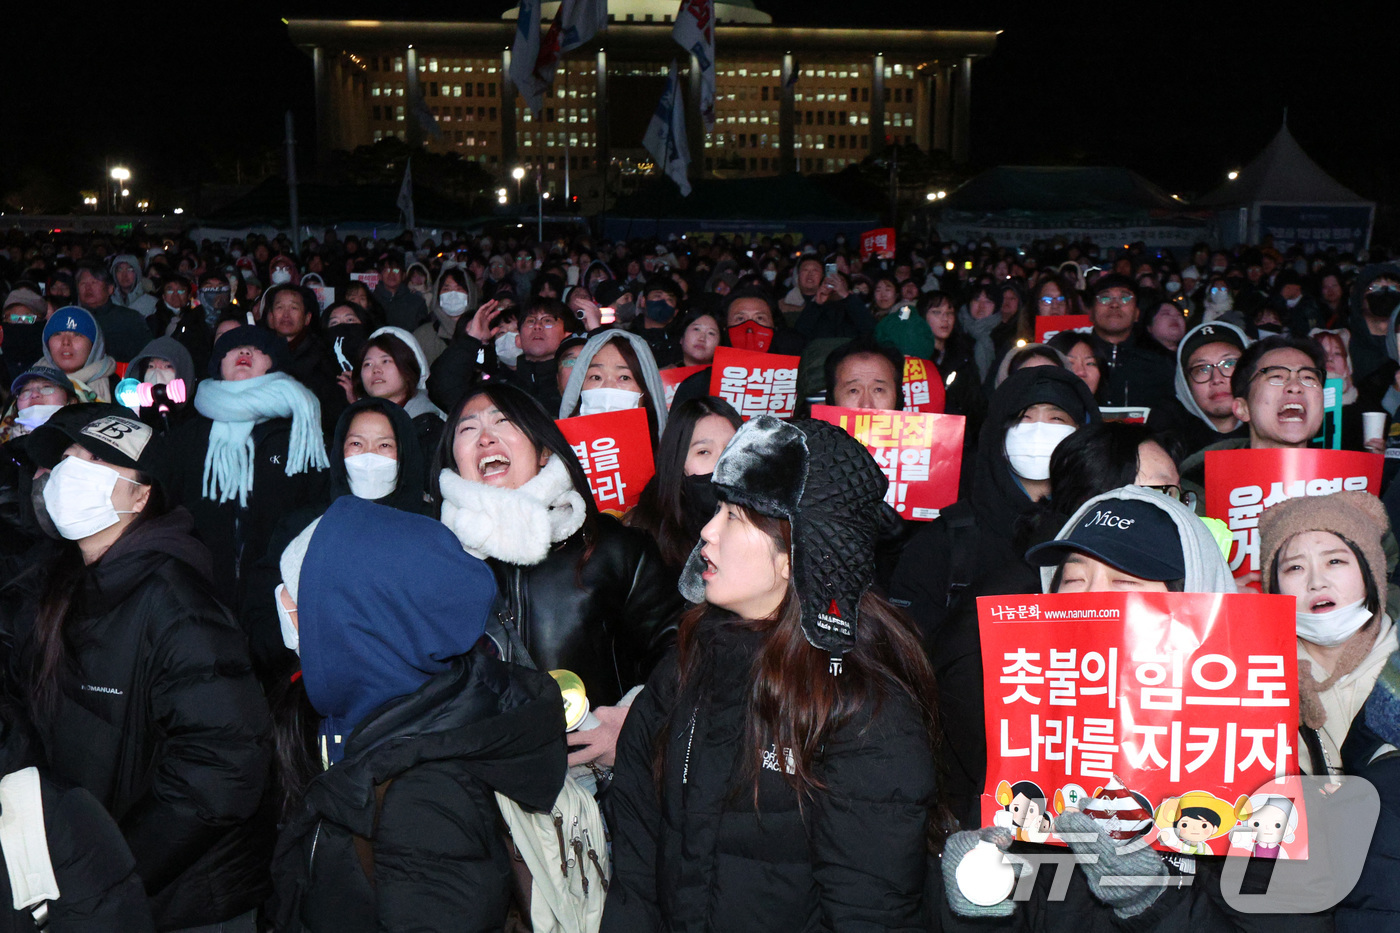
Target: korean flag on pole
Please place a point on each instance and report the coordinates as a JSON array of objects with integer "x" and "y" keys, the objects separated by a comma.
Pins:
[{"x": 665, "y": 137}]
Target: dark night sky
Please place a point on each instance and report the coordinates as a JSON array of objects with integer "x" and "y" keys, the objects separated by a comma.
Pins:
[{"x": 1179, "y": 92}]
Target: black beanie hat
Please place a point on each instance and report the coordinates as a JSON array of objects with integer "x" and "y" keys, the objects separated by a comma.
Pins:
[
  {"x": 826, "y": 484},
  {"x": 260, "y": 338}
]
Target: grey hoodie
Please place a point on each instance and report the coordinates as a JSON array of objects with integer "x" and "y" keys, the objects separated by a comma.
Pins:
[
  {"x": 651, "y": 376},
  {"x": 1183, "y": 387},
  {"x": 173, "y": 352},
  {"x": 434, "y": 334},
  {"x": 1206, "y": 570},
  {"x": 137, "y": 299}
]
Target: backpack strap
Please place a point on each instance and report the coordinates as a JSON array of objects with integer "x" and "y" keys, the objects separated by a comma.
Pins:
[
  {"x": 960, "y": 573},
  {"x": 364, "y": 847},
  {"x": 26, "y": 844}
]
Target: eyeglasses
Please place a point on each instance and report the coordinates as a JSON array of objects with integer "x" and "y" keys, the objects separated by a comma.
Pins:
[
  {"x": 1201, "y": 372},
  {"x": 1174, "y": 491},
  {"x": 1108, "y": 299},
  {"x": 1382, "y": 287},
  {"x": 1053, "y": 299},
  {"x": 547, "y": 321},
  {"x": 37, "y": 391},
  {"x": 1309, "y": 377}
]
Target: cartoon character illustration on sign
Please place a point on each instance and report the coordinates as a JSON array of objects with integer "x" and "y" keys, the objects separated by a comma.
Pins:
[
  {"x": 1268, "y": 822},
  {"x": 1188, "y": 823},
  {"x": 1023, "y": 811}
]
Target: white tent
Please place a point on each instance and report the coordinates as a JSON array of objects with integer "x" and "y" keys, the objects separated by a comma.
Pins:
[{"x": 1286, "y": 195}]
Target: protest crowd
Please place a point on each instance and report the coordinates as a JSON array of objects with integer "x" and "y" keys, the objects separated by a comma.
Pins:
[{"x": 482, "y": 583}]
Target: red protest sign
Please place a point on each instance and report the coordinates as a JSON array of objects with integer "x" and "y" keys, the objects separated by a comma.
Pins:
[
  {"x": 614, "y": 449},
  {"x": 920, "y": 454},
  {"x": 672, "y": 378},
  {"x": 923, "y": 386},
  {"x": 1138, "y": 706},
  {"x": 370, "y": 279},
  {"x": 1241, "y": 484},
  {"x": 1048, "y": 325},
  {"x": 755, "y": 383},
  {"x": 878, "y": 243}
]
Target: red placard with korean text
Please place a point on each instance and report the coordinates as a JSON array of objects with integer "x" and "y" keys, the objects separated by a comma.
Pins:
[
  {"x": 614, "y": 449},
  {"x": 878, "y": 243},
  {"x": 1048, "y": 325},
  {"x": 1139, "y": 706},
  {"x": 1241, "y": 484},
  {"x": 920, "y": 454},
  {"x": 672, "y": 378},
  {"x": 923, "y": 386},
  {"x": 755, "y": 383}
]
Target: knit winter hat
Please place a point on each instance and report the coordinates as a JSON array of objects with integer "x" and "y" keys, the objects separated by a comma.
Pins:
[
  {"x": 826, "y": 484},
  {"x": 1358, "y": 517},
  {"x": 249, "y": 335},
  {"x": 71, "y": 319}
]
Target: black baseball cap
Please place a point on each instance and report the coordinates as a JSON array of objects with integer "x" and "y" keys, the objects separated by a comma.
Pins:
[
  {"x": 1134, "y": 536},
  {"x": 1209, "y": 333},
  {"x": 109, "y": 432}
]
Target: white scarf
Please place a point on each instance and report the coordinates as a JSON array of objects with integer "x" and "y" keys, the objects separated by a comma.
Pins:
[{"x": 517, "y": 526}]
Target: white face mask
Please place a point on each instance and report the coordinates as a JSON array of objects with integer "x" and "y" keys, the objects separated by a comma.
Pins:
[
  {"x": 1293, "y": 302},
  {"x": 1330, "y": 629},
  {"x": 1173, "y": 287},
  {"x": 770, "y": 275},
  {"x": 78, "y": 497},
  {"x": 372, "y": 476},
  {"x": 1029, "y": 446},
  {"x": 290, "y": 636},
  {"x": 281, "y": 276},
  {"x": 598, "y": 401},
  {"x": 35, "y": 415},
  {"x": 506, "y": 350},
  {"x": 452, "y": 303}
]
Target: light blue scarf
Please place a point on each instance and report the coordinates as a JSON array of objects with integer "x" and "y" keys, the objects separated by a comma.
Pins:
[{"x": 236, "y": 408}]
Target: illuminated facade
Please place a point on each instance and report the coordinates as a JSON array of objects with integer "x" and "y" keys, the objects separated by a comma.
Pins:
[{"x": 788, "y": 98}]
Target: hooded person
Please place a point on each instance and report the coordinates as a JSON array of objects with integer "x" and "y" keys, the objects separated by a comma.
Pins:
[
  {"x": 136, "y": 679},
  {"x": 256, "y": 453},
  {"x": 74, "y": 344},
  {"x": 1202, "y": 378},
  {"x": 23, "y": 316},
  {"x": 163, "y": 361},
  {"x": 189, "y": 324},
  {"x": 131, "y": 291},
  {"x": 394, "y": 367},
  {"x": 1160, "y": 545},
  {"x": 782, "y": 757},
  {"x": 616, "y": 371},
  {"x": 972, "y": 550},
  {"x": 36, "y": 396},
  {"x": 454, "y": 294},
  {"x": 1327, "y": 551},
  {"x": 1372, "y": 306},
  {"x": 394, "y": 824}
]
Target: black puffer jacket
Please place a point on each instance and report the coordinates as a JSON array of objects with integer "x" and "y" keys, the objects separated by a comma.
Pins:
[
  {"x": 703, "y": 858},
  {"x": 439, "y": 861},
  {"x": 162, "y": 720},
  {"x": 238, "y": 537},
  {"x": 608, "y": 621}
]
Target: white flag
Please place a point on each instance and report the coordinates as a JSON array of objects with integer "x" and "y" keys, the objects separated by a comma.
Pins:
[
  {"x": 665, "y": 138},
  {"x": 405, "y": 201},
  {"x": 525, "y": 52},
  {"x": 695, "y": 31},
  {"x": 533, "y": 61}
]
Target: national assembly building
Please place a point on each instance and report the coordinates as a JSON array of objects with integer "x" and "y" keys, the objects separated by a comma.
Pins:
[{"x": 788, "y": 98}]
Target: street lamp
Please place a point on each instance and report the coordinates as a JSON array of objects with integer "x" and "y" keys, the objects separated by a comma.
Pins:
[
  {"x": 1233, "y": 175},
  {"x": 517, "y": 173},
  {"x": 120, "y": 175}
]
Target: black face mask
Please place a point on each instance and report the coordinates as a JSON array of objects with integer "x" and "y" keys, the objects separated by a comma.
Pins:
[
  {"x": 698, "y": 502},
  {"x": 351, "y": 339},
  {"x": 1381, "y": 304}
]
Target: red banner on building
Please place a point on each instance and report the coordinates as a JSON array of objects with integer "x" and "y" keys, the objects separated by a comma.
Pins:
[
  {"x": 614, "y": 449},
  {"x": 920, "y": 454},
  {"x": 1048, "y": 325},
  {"x": 878, "y": 243},
  {"x": 1170, "y": 716},
  {"x": 755, "y": 383},
  {"x": 672, "y": 378},
  {"x": 923, "y": 386},
  {"x": 1241, "y": 484}
]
